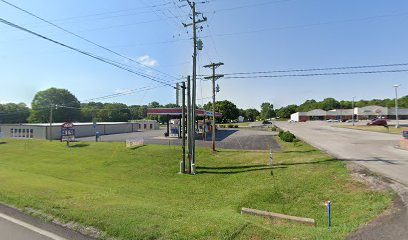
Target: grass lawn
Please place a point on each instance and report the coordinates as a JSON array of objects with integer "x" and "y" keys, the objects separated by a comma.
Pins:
[
  {"x": 137, "y": 194},
  {"x": 380, "y": 129}
]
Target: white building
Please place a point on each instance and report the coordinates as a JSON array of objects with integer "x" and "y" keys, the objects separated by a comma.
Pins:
[
  {"x": 363, "y": 113},
  {"x": 44, "y": 131}
]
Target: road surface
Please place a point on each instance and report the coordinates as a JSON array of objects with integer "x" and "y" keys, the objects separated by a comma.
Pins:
[
  {"x": 15, "y": 225},
  {"x": 374, "y": 150},
  {"x": 377, "y": 152}
]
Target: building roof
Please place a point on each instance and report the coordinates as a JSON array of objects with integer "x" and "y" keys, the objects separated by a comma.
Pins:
[
  {"x": 75, "y": 124},
  {"x": 178, "y": 112}
]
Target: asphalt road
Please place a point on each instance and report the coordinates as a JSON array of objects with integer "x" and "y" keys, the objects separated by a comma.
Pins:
[
  {"x": 12, "y": 231},
  {"x": 377, "y": 152},
  {"x": 239, "y": 139},
  {"x": 374, "y": 150},
  {"x": 15, "y": 225}
]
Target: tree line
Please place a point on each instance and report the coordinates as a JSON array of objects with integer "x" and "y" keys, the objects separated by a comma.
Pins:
[
  {"x": 66, "y": 107},
  {"x": 331, "y": 103}
]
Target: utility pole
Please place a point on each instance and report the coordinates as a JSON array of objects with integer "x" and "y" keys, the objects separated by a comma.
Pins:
[
  {"x": 183, "y": 126},
  {"x": 51, "y": 109},
  {"x": 214, "y": 78},
  {"x": 352, "y": 115},
  {"x": 177, "y": 94},
  {"x": 189, "y": 134},
  {"x": 396, "y": 105},
  {"x": 194, "y": 85}
]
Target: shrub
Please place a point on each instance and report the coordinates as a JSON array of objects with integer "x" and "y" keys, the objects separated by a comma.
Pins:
[
  {"x": 280, "y": 132},
  {"x": 287, "y": 136},
  {"x": 235, "y": 126},
  {"x": 230, "y": 126},
  {"x": 274, "y": 129}
]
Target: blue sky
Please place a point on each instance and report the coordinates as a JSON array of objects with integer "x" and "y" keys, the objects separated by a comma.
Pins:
[{"x": 247, "y": 36}]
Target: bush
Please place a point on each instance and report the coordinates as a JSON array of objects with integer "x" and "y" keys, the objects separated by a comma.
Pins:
[
  {"x": 230, "y": 126},
  {"x": 274, "y": 129},
  {"x": 287, "y": 136},
  {"x": 221, "y": 126},
  {"x": 235, "y": 126},
  {"x": 280, "y": 132}
]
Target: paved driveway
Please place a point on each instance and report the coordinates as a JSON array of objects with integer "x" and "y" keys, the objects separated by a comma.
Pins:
[
  {"x": 225, "y": 138},
  {"x": 376, "y": 151}
]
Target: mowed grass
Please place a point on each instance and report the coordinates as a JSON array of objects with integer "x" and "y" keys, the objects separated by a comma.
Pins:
[
  {"x": 137, "y": 193},
  {"x": 381, "y": 129}
]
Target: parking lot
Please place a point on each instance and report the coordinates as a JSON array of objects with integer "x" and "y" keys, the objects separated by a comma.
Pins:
[{"x": 225, "y": 138}]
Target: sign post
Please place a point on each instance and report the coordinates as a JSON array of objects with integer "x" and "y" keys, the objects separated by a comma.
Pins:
[
  {"x": 328, "y": 205},
  {"x": 67, "y": 133}
]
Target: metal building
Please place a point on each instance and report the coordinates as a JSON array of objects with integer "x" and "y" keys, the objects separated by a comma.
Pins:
[{"x": 44, "y": 131}]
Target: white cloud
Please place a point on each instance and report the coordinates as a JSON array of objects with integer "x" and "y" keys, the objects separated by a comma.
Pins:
[
  {"x": 120, "y": 90},
  {"x": 147, "y": 61}
]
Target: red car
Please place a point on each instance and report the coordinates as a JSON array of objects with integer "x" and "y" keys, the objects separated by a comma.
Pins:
[{"x": 378, "y": 122}]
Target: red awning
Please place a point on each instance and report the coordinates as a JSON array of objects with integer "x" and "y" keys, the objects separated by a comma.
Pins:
[{"x": 178, "y": 112}]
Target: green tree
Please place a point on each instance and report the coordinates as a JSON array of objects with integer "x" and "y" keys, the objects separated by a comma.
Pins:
[
  {"x": 252, "y": 114},
  {"x": 65, "y": 104},
  {"x": 328, "y": 104},
  {"x": 14, "y": 113},
  {"x": 113, "y": 112},
  {"x": 228, "y": 110},
  {"x": 267, "y": 110},
  {"x": 285, "y": 112},
  {"x": 308, "y": 105}
]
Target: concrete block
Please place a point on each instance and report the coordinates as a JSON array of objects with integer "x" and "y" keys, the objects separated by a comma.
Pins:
[{"x": 255, "y": 212}]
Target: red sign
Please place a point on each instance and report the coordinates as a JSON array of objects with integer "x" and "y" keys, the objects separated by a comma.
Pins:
[{"x": 67, "y": 125}]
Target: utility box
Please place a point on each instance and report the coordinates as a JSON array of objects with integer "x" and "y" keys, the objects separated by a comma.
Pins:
[{"x": 405, "y": 134}]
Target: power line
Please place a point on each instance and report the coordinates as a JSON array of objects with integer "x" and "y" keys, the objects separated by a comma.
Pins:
[
  {"x": 84, "y": 53},
  {"x": 321, "y": 74},
  {"x": 78, "y": 36},
  {"x": 321, "y": 69}
]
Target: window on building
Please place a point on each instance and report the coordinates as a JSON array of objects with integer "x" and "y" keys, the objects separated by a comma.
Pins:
[
  {"x": 12, "y": 132},
  {"x": 31, "y": 133},
  {"x": 144, "y": 125},
  {"x": 151, "y": 126},
  {"x": 23, "y": 135},
  {"x": 19, "y": 132}
]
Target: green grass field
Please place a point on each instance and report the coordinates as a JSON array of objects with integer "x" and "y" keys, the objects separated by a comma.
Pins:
[
  {"x": 137, "y": 193},
  {"x": 380, "y": 129}
]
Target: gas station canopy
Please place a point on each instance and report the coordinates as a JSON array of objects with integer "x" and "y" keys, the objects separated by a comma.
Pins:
[{"x": 178, "y": 112}]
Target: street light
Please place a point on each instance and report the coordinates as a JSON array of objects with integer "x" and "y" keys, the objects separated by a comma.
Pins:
[{"x": 396, "y": 104}]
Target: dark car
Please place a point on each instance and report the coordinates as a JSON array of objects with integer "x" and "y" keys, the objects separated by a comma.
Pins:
[
  {"x": 378, "y": 122},
  {"x": 266, "y": 122}
]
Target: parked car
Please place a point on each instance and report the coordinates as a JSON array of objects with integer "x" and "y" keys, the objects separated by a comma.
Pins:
[
  {"x": 291, "y": 121},
  {"x": 266, "y": 122},
  {"x": 332, "y": 120},
  {"x": 377, "y": 122},
  {"x": 350, "y": 121}
]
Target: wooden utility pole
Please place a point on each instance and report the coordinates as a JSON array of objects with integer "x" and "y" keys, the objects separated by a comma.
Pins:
[
  {"x": 51, "y": 111},
  {"x": 177, "y": 94},
  {"x": 194, "y": 85},
  {"x": 214, "y": 77},
  {"x": 189, "y": 123},
  {"x": 183, "y": 126}
]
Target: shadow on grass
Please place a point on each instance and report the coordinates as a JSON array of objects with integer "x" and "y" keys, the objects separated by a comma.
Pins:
[
  {"x": 241, "y": 171},
  {"x": 300, "y": 151},
  {"x": 233, "y": 167},
  {"x": 2, "y": 142},
  {"x": 137, "y": 147},
  {"x": 79, "y": 145}
]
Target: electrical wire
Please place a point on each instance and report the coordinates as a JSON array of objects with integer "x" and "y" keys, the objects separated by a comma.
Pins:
[
  {"x": 84, "y": 39},
  {"x": 84, "y": 52}
]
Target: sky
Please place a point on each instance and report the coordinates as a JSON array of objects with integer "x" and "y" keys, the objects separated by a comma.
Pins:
[{"x": 247, "y": 36}]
